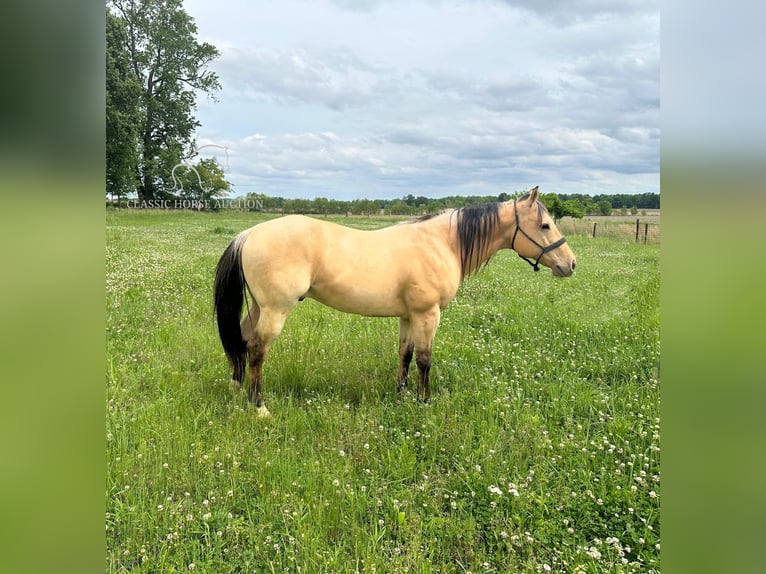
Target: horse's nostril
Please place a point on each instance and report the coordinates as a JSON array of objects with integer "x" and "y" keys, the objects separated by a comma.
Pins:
[{"x": 573, "y": 265}]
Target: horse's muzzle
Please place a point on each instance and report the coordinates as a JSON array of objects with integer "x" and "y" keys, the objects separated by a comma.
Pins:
[{"x": 563, "y": 270}]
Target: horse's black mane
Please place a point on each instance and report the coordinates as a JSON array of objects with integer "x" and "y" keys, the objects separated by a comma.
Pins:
[
  {"x": 475, "y": 228},
  {"x": 426, "y": 217}
]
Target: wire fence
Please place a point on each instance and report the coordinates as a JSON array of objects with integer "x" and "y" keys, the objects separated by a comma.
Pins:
[{"x": 637, "y": 230}]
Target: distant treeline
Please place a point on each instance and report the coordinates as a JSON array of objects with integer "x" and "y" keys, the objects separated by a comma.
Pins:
[
  {"x": 575, "y": 205},
  {"x": 618, "y": 200}
]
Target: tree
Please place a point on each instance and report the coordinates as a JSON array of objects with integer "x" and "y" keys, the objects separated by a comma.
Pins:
[
  {"x": 552, "y": 202},
  {"x": 202, "y": 181},
  {"x": 122, "y": 94},
  {"x": 171, "y": 67},
  {"x": 572, "y": 208},
  {"x": 604, "y": 207},
  {"x": 559, "y": 209}
]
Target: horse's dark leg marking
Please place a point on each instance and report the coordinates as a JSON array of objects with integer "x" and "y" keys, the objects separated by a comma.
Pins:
[
  {"x": 405, "y": 357},
  {"x": 423, "y": 361},
  {"x": 255, "y": 355}
]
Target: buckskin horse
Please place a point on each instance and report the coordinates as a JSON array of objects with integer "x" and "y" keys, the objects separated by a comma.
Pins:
[{"x": 410, "y": 270}]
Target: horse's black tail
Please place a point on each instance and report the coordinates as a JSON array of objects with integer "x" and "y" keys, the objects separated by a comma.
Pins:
[{"x": 228, "y": 296}]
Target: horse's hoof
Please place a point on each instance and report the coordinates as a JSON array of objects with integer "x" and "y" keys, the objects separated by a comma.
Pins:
[
  {"x": 235, "y": 385},
  {"x": 262, "y": 412}
]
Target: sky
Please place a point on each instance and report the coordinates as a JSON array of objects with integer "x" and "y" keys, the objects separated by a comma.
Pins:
[{"x": 380, "y": 99}]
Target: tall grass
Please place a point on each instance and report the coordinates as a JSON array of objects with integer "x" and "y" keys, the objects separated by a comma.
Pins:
[{"x": 539, "y": 452}]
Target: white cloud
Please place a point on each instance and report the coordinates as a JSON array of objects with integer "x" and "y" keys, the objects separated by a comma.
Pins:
[{"x": 435, "y": 97}]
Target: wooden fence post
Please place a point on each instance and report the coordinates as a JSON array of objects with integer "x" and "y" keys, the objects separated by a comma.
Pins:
[
  {"x": 646, "y": 231},
  {"x": 594, "y": 229},
  {"x": 636, "y": 230}
]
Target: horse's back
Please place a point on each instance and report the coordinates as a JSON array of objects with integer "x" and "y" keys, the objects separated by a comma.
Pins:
[{"x": 364, "y": 272}]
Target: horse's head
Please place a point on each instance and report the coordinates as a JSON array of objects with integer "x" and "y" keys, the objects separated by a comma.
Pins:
[{"x": 536, "y": 237}]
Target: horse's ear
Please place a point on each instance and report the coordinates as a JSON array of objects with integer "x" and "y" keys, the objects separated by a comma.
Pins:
[{"x": 533, "y": 194}]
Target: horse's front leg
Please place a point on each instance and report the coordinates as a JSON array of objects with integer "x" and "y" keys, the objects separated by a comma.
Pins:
[
  {"x": 424, "y": 330},
  {"x": 406, "y": 348},
  {"x": 423, "y": 361}
]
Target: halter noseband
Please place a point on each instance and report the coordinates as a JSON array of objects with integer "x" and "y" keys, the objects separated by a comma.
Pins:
[{"x": 544, "y": 250}]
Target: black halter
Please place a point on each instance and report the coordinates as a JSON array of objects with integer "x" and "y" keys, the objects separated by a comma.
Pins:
[{"x": 544, "y": 250}]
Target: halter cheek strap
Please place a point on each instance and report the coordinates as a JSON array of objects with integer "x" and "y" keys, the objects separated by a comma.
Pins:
[{"x": 535, "y": 264}]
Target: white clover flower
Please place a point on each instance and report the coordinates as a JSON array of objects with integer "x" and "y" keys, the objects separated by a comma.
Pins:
[{"x": 593, "y": 553}]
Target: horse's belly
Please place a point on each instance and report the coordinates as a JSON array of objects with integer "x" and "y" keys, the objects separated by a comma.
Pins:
[{"x": 361, "y": 300}]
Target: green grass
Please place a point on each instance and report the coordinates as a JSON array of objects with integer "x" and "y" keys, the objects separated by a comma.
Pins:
[{"x": 539, "y": 451}]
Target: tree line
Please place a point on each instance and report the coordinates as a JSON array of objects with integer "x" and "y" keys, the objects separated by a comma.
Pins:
[{"x": 572, "y": 205}]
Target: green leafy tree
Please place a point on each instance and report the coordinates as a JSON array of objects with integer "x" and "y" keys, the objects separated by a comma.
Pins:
[
  {"x": 322, "y": 205},
  {"x": 604, "y": 207},
  {"x": 554, "y": 205},
  {"x": 572, "y": 208},
  {"x": 559, "y": 209},
  {"x": 122, "y": 118},
  {"x": 170, "y": 66},
  {"x": 201, "y": 181}
]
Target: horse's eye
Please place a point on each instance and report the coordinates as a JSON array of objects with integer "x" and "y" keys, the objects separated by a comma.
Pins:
[{"x": 545, "y": 226}]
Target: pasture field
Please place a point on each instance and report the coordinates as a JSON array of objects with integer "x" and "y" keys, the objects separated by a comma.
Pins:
[{"x": 540, "y": 450}]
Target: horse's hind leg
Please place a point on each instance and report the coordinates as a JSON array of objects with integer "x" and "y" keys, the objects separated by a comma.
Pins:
[
  {"x": 406, "y": 347},
  {"x": 267, "y": 329},
  {"x": 247, "y": 328}
]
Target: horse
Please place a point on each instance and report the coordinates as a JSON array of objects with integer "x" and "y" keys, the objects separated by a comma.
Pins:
[{"x": 410, "y": 270}]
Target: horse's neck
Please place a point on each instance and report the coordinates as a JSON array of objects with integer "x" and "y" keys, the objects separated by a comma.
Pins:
[
  {"x": 500, "y": 238},
  {"x": 505, "y": 226}
]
